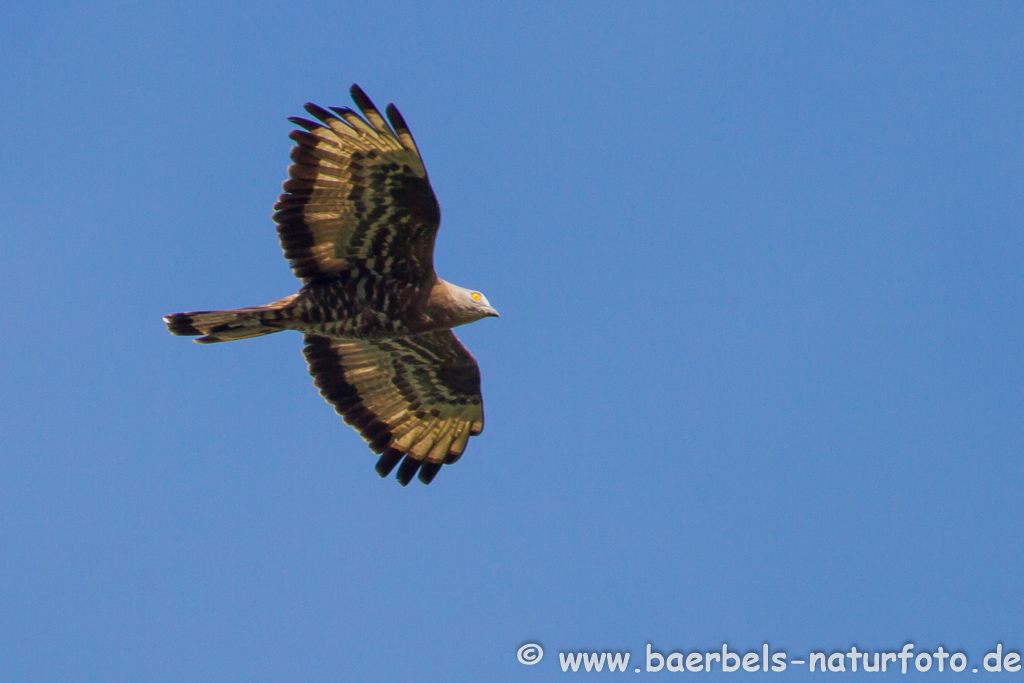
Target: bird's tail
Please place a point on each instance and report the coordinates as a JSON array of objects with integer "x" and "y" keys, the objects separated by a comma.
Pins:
[{"x": 237, "y": 323}]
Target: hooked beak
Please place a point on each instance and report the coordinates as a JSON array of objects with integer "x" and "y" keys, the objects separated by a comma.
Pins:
[{"x": 491, "y": 313}]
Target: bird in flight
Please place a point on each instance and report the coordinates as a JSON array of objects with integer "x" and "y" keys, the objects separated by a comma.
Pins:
[{"x": 357, "y": 223}]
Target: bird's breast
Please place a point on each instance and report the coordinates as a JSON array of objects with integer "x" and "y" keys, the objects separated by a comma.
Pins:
[{"x": 361, "y": 307}]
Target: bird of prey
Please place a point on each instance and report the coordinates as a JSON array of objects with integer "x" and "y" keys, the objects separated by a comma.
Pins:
[{"x": 357, "y": 223}]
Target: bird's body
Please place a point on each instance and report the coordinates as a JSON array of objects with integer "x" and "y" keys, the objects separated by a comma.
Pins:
[
  {"x": 357, "y": 221},
  {"x": 383, "y": 308}
]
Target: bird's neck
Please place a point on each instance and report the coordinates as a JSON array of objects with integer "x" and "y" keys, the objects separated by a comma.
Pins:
[{"x": 443, "y": 310}]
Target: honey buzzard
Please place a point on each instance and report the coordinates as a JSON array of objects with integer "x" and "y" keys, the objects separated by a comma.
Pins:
[{"x": 357, "y": 222}]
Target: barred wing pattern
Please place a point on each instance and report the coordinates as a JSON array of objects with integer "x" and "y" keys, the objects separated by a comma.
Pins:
[
  {"x": 357, "y": 195},
  {"x": 414, "y": 399}
]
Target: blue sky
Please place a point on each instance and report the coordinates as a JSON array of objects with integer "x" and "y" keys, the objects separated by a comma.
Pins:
[{"x": 758, "y": 375}]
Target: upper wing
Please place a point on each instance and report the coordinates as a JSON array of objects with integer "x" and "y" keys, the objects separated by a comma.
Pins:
[
  {"x": 357, "y": 195},
  {"x": 413, "y": 397}
]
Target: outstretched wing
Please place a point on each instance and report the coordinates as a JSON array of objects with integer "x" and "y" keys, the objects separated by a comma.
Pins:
[
  {"x": 357, "y": 195},
  {"x": 416, "y": 398}
]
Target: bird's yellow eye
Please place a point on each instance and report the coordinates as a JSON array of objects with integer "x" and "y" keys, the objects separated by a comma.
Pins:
[{"x": 476, "y": 296}]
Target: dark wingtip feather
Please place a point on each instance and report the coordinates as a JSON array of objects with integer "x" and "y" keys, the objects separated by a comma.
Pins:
[
  {"x": 396, "y": 118},
  {"x": 401, "y": 128},
  {"x": 370, "y": 111},
  {"x": 305, "y": 123},
  {"x": 452, "y": 458},
  {"x": 387, "y": 461},
  {"x": 428, "y": 471},
  {"x": 341, "y": 111},
  {"x": 407, "y": 470},
  {"x": 358, "y": 95},
  {"x": 319, "y": 112}
]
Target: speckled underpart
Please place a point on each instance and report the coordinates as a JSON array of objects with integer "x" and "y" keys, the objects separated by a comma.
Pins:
[{"x": 359, "y": 304}]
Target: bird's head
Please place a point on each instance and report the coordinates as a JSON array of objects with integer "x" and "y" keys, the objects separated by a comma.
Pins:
[{"x": 472, "y": 304}]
